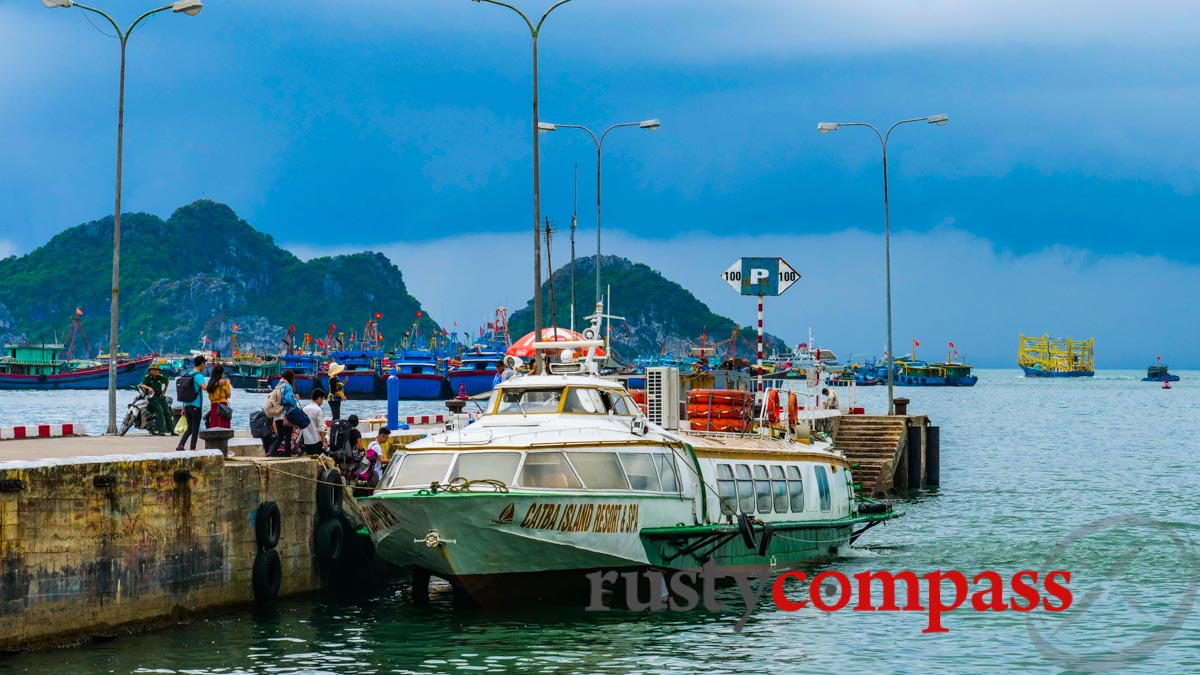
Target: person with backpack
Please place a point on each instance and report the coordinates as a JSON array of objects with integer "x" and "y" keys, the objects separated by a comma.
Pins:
[
  {"x": 187, "y": 392},
  {"x": 279, "y": 402},
  {"x": 369, "y": 471},
  {"x": 345, "y": 443},
  {"x": 219, "y": 390}
]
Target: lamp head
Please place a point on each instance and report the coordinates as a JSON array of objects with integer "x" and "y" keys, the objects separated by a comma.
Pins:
[
  {"x": 544, "y": 127},
  {"x": 189, "y": 7},
  {"x": 826, "y": 127},
  {"x": 939, "y": 120},
  {"x": 651, "y": 125},
  {"x": 51, "y": 4}
]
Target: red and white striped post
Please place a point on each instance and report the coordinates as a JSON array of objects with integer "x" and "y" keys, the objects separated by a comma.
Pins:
[{"x": 760, "y": 342}]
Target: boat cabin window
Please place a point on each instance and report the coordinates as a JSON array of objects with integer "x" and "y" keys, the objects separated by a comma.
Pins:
[
  {"x": 795, "y": 489},
  {"x": 616, "y": 403},
  {"x": 422, "y": 468},
  {"x": 666, "y": 469},
  {"x": 584, "y": 400},
  {"x": 641, "y": 471},
  {"x": 529, "y": 401},
  {"x": 823, "y": 487},
  {"x": 501, "y": 466},
  {"x": 726, "y": 489},
  {"x": 599, "y": 470},
  {"x": 779, "y": 489},
  {"x": 548, "y": 470},
  {"x": 745, "y": 488},
  {"x": 762, "y": 489}
]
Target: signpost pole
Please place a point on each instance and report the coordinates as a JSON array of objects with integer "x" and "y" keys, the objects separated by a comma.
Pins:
[{"x": 760, "y": 342}]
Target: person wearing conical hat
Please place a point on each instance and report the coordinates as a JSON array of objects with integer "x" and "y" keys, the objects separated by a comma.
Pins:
[{"x": 337, "y": 392}]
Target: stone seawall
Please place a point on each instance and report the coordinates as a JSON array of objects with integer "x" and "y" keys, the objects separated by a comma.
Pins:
[{"x": 89, "y": 546}]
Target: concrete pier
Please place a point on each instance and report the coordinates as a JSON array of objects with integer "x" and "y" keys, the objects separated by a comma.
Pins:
[
  {"x": 100, "y": 535},
  {"x": 884, "y": 446}
]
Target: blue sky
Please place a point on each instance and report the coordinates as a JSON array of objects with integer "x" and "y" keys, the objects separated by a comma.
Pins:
[{"x": 403, "y": 125}]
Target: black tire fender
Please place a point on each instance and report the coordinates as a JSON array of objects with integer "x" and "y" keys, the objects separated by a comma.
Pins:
[
  {"x": 765, "y": 542},
  {"x": 330, "y": 542},
  {"x": 329, "y": 497},
  {"x": 267, "y": 525},
  {"x": 267, "y": 575},
  {"x": 746, "y": 527}
]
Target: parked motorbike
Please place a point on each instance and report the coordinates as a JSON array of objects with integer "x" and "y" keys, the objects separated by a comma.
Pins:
[{"x": 139, "y": 414}]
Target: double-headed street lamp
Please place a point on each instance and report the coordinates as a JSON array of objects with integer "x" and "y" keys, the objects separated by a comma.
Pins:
[
  {"x": 826, "y": 127},
  {"x": 649, "y": 125},
  {"x": 190, "y": 8},
  {"x": 534, "y": 30}
]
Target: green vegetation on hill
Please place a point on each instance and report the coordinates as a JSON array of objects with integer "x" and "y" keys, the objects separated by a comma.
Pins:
[
  {"x": 195, "y": 275},
  {"x": 658, "y": 312}
]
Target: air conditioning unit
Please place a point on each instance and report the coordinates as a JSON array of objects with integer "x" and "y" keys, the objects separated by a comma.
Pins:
[{"x": 662, "y": 396}]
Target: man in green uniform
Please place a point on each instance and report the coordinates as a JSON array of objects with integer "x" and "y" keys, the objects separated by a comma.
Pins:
[{"x": 156, "y": 383}]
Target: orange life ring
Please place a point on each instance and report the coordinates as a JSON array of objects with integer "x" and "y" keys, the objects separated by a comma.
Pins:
[
  {"x": 773, "y": 406},
  {"x": 793, "y": 408}
]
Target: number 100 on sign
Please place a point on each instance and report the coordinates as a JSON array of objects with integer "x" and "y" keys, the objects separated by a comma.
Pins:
[{"x": 760, "y": 276}]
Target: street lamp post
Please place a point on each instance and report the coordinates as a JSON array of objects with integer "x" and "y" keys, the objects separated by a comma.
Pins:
[
  {"x": 649, "y": 125},
  {"x": 190, "y": 8},
  {"x": 826, "y": 127},
  {"x": 534, "y": 30}
]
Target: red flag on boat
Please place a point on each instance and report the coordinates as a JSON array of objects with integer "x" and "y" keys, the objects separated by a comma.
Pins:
[
  {"x": 951, "y": 345},
  {"x": 418, "y": 315},
  {"x": 378, "y": 315},
  {"x": 956, "y": 352},
  {"x": 915, "y": 343},
  {"x": 481, "y": 331},
  {"x": 78, "y": 312},
  {"x": 379, "y": 336},
  {"x": 320, "y": 342}
]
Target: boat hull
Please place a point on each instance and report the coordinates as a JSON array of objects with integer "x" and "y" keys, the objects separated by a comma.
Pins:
[
  {"x": 472, "y": 381},
  {"x": 511, "y": 547},
  {"x": 421, "y": 387},
  {"x": 1037, "y": 372},
  {"x": 129, "y": 373},
  {"x": 1168, "y": 378},
  {"x": 908, "y": 381}
]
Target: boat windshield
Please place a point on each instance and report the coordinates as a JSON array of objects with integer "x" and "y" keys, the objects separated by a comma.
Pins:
[{"x": 529, "y": 401}]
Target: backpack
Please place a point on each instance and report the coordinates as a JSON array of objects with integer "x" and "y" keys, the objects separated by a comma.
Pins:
[
  {"x": 274, "y": 406},
  {"x": 339, "y": 436},
  {"x": 186, "y": 390},
  {"x": 260, "y": 424}
]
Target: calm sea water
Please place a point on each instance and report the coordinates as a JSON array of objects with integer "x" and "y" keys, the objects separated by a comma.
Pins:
[{"x": 1095, "y": 476}]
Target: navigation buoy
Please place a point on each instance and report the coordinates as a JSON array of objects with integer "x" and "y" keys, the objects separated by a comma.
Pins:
[{"x": 1166, "y": 383}]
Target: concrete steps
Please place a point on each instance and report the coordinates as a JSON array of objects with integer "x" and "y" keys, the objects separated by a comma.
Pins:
[{"x": 874, "y": 442}]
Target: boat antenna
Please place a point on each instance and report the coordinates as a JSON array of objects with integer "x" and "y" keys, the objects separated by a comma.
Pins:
[
  {"x": 553, "y": 305},
  {"x": 574, "y": 221}
]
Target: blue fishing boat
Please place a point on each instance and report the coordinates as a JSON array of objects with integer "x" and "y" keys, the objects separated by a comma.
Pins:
[
  {"x": 1158, "y": 373},
  {"x": 421, "y": 378},
  {"x": 363, "y": 377},
  {"x": 305, "y": 366},
  {"x": 913, "y": 373},
  {"x": 474, "y": 372}
]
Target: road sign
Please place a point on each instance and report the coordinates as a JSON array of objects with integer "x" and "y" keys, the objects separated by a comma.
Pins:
[{"x": 760, "y": 276}]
